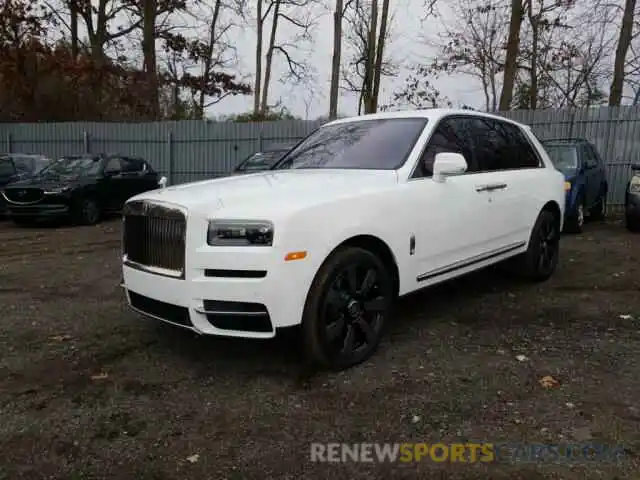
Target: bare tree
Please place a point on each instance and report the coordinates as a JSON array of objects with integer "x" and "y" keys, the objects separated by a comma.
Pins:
[
  {"x": 368, "y": 63},
  {"x": 296, "y": 13}
]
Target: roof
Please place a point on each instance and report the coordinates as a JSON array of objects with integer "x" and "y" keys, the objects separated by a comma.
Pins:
[{"x": 432, "y": 114}]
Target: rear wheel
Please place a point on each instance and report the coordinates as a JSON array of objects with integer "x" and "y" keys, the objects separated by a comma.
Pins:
[
  {"x": 87, "y": 212},
  {"x": 540, "y": 260},
  {"x": 348, "y": 304}
]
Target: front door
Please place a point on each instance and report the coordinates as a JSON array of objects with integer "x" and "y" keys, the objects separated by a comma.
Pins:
[{"x": 451, "y": 231}]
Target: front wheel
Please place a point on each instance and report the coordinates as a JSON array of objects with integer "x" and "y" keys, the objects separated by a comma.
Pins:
[
  {"x": 599, "y": 210},
  {"x": 540, "y": 260},
  {"x": 575, "y": 219},
  {"x": 348, "y": 304}
]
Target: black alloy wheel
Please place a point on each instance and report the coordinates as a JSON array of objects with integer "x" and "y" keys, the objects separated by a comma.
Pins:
[{"x": 347, "y": 308}]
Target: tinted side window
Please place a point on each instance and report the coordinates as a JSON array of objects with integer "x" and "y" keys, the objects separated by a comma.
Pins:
[
  {"x": 6, "y": 167},
  {"x": 524, "y": 156},
  {"x": 502, "y": 146},
  {"x": 132, "y": 165},
  {"x": 493, "y": 145},
  {"x": 450, "y": 136},
  {"x": 113, "y": 165},
  {"x": 23, "y": 165}
]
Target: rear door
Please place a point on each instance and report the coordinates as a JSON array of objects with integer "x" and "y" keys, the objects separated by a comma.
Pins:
[{"x": 510, "y": 167}]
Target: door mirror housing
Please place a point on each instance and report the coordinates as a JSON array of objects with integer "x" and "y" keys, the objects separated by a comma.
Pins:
[{"x": 447, "y": 164}]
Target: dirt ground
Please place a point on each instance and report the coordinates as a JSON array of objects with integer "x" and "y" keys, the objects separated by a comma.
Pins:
[{"x": 89, "y": 390}]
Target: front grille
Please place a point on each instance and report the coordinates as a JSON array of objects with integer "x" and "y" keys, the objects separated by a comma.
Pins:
[
  {"x": 154, "y": 236},
  {"x": 23, "y": 195}
]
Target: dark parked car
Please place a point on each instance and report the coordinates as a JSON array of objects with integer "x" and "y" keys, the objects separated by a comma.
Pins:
[
  {"x": 260, "y": 161},
  {"x": 83, "y": 187},
  {"x": 632, "y": 201},
  {"x": 18, "y": 166},
  {"x": 586, "y": 182}
]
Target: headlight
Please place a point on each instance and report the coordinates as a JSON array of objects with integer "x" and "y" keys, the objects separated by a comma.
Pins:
[
  {"x": 240, "y": 233},
  {"x": 57, "y": 190},
  {"x": 634, "y": 186}
]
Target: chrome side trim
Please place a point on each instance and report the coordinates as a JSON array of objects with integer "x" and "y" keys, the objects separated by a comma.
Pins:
[{"x": 470, "y": 261}]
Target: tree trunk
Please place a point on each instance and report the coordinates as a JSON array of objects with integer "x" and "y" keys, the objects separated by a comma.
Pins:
[
  {"x": 379, "y": 54},
  {"x": 371, "y": 55},
  {"x": 269, "y": 58},
  {"x": 513, "y": 49},
  {"x": 534, "y": 21},
  {"x": 335, "y": 61},
  {"x": 624, "y": 42},
  {"x": 258, "y": 85},
  {"x": 149, "y": 9},
  {"x": 73, "y": 10},
  {"x": 206, "y": 68}
]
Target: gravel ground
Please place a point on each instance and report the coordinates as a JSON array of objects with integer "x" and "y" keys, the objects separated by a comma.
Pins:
[{"x": 89, "y": 390}]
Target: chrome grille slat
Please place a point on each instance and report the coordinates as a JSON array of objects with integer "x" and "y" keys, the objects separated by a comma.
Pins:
[{"x": 154, "y": 238}]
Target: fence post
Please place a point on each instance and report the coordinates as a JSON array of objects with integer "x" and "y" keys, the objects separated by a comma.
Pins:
[
  {"x": 171, "y": 159},
  {"x": 260, "y": 138},
  {"x": 9, "y": 143},
  {"x": 86, "y": 140}
]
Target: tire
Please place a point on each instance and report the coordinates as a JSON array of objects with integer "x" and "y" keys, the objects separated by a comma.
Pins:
[
  {"x": 540, "y": 260},
  {"x": 575, "y": 220},
  {"x": 355, "y": 316},
  {"x": 599, "y": 210},
  {"x": 87, "y": 212},
  {"x": 632, "y": 223}
]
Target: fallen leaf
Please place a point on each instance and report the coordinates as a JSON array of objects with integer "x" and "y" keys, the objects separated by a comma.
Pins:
[
  {"x": 193, "y": 458},
  {"x": 626, "y": 317},
  {"x": 415, "y": 419},
  {"x": 521, "y": 358},
  {"x": 60, "y": 338},
  {"x": 570, "y": 405},
  {"x": 549, "y": 382},
  {"x": 100, "y": 376}
]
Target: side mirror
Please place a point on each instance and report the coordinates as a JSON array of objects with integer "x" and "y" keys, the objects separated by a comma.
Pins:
[
  {"x": 162, "y": 183},
  {"x": 447, "y": 164}
]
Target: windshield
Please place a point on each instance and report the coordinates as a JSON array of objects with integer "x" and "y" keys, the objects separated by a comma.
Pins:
[
  {"x": 261, "y": 160},
  {"x": 564, "y": 157},
  {"x": 382, "y": 144},
  {"x": 72, "y": 166}
]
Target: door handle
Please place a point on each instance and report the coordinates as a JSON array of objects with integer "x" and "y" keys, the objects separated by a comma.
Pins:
[{"x": 491, "y": 187}]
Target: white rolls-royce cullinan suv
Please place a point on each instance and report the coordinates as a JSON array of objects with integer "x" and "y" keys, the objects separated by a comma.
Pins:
[{"x": 362, "y": 211}]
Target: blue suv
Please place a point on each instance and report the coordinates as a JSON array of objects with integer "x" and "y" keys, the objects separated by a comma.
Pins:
[{"x": 585, "y": 180}]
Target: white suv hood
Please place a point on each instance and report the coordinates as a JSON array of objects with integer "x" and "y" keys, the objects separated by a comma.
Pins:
[{"x": 263, "y": 191}]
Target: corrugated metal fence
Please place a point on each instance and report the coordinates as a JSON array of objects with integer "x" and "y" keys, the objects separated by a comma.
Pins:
[{"x": 193, "y": 150}]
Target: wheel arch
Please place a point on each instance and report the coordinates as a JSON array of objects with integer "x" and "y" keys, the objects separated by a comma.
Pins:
[
  {"x": 378, "y": 247},
  {"x": 553, "y": 207}
]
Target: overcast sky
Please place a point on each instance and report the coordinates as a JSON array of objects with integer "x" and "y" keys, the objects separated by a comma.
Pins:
[{"x": 406, "y": 47}]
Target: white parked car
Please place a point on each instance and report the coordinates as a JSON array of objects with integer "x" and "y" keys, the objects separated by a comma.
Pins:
[{"x": 364, "y": 210}]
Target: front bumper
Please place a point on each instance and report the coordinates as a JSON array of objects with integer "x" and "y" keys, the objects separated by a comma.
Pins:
[
  {"x": 49, "y": 206},
  {"x": 234, "y": 292}
]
